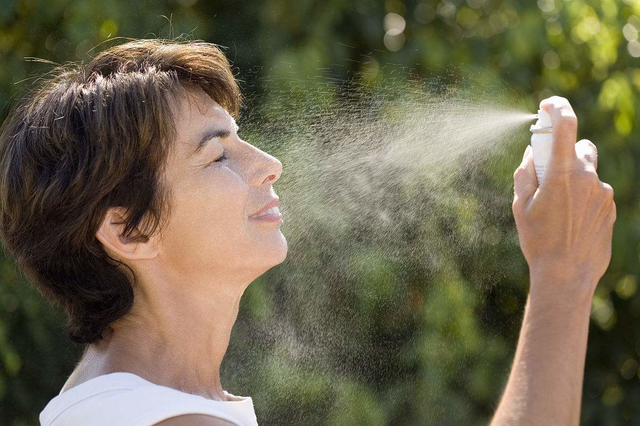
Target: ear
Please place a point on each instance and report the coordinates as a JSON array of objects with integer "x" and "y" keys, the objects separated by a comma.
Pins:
[{"x": 125, "y": 248}]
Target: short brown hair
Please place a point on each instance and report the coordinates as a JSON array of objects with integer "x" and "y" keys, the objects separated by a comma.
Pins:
[{"x": 91, "y": 137}]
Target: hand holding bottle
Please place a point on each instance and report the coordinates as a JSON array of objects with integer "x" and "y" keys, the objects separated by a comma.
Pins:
[
  {"x": 564, "y": 222},
  {"x": 565, "y": 225}
]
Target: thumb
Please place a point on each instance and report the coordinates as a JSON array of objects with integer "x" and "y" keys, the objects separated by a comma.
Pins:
[
  {"x": 565, "y": 130},
  {"x": 525, "y": 182}
]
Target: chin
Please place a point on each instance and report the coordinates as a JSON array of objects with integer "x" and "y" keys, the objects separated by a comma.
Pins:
[
  {"x": 267, "y": 253},
  {"x": 281, "y": 251},
  {"x": 274, "y": 259}
]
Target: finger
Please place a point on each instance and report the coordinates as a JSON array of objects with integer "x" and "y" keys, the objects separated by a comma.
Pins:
[
  {"x": 587, "y": 152},
  {"x": 607, "y": 219},
  {"x": 613, "y": 215},
  {"x": 525, "y": 182},
  {"x": 565, "y": 129},
  {"x": 607, "y": 203}
]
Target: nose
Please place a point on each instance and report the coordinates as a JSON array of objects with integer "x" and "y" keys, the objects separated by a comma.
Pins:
[{"x": 268, "y": 171}]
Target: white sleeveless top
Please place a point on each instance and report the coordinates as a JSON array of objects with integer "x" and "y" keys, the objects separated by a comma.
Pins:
[{"x": 127, "y": 399}]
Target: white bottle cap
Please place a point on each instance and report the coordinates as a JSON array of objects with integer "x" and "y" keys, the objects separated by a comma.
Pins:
[
  {"x": 543, "y": 125},
  {"x": 544, "y": 119}
]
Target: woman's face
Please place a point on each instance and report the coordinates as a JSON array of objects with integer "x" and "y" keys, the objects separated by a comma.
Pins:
[{"x": 221, "y": 187}]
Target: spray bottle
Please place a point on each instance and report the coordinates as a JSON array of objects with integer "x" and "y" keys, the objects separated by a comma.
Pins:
[{"x": 541, "y": 141}]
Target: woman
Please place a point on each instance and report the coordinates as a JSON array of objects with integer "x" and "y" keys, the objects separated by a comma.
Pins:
[
  {"x": 95, "y": 166},
  {"x": 128, "y": 198}
]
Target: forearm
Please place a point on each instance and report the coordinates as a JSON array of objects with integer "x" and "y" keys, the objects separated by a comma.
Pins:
[{"x": 545, "y": 385}]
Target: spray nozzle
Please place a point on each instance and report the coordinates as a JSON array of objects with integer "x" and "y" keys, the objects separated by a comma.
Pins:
[{"x": 543, "y": 125}]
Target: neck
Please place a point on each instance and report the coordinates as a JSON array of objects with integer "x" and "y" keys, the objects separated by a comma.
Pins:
[{"x": 175, "y": 336}]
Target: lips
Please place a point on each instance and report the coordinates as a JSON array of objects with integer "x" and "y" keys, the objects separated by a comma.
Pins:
[
  {"x": 268, "y": 209},
  {"x": 271, "y": 211}
]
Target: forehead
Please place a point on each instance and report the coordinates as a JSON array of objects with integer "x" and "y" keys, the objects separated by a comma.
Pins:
[{"x": 195, "y": 113}]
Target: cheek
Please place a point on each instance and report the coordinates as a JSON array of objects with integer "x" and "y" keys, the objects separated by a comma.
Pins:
[
  {"x": 208, "y": 216},
  {"x": 222, "y": 200}
]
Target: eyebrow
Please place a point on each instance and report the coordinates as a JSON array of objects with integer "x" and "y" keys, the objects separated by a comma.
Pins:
[{"x": 207, "y": 136}]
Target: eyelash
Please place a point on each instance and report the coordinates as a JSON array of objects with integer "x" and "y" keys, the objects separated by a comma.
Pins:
[{"x": 219, "y": 159}]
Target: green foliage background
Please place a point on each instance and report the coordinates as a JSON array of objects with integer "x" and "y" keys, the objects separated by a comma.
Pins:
[{"x": 413, "y": 345}]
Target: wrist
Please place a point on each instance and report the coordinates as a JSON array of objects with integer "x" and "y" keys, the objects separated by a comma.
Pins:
[{"x": 562, "y": 288}]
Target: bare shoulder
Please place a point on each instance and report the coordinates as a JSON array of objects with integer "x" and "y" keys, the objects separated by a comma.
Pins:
[{"x": 194, "y": 420}]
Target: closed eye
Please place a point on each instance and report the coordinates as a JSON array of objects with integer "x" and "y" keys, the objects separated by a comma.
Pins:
[{"x": 219, "y": 159}]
